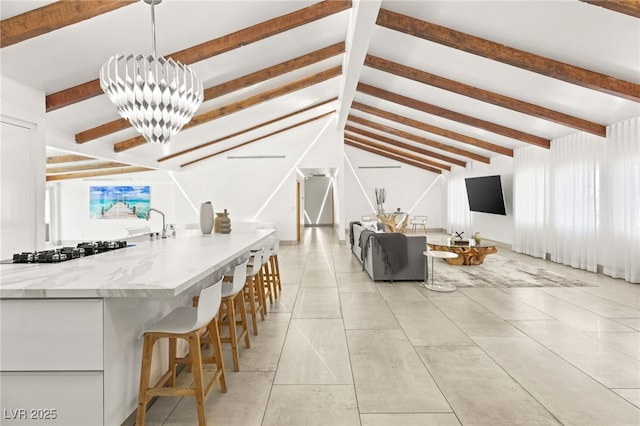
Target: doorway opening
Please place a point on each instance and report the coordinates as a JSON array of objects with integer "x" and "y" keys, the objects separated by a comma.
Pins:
[{"x": 318, "y": 197}]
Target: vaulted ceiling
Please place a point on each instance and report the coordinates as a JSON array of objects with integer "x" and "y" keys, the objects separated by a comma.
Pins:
[{"x": 433, "y": 84}]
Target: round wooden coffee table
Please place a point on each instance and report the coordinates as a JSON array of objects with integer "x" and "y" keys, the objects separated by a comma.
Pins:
[
  {"x": 443, "y": 288},
  {"x": 467, "y": 254}
]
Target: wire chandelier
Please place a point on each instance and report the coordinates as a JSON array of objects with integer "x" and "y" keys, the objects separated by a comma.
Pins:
[{"x": 158, "y": 96}]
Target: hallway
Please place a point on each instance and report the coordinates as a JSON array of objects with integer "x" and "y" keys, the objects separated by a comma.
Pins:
[{"x": 339, "y": 349}]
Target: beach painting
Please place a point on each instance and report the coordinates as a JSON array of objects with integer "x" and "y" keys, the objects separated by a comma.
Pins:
[{"x": 119, "y": 202}]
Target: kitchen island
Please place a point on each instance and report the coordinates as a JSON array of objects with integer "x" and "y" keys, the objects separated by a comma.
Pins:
[{"x": 69, "y": 347}]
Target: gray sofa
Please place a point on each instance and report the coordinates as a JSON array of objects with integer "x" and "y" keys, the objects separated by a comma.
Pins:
[{"x": 375, "y": 260}]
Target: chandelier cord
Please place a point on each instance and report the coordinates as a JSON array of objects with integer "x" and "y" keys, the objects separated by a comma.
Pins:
[{"x": 153, "y": 28}]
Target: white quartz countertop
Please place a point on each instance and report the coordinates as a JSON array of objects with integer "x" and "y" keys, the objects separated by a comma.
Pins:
[{"x": 164, "y": 267}]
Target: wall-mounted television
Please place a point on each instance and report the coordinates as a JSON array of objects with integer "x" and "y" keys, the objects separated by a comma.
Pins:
[{"x": 485, "y": 194}]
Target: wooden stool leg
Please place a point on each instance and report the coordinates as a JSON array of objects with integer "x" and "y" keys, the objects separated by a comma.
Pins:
[
  {"x": 272, "y": 277},
  {"x": 258, "y": 286},
  {"x": 233, "y": 333},
  {"x": 214, "y": 332},
  {"x": 276, "y": 268},
  {"x": 251, "y": 296},
  {"x": 268, "y": 283},
  {"x": 172, "y": 361},
  {"x": 145, "y": 373},
  {"x": 265, "y": 290},
  {"x": 243, "y": 319},
  {"x": 198, "y": 379}
]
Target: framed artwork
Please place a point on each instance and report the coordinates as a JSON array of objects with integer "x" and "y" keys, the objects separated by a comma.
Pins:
[{"x": 119, "y": 202}]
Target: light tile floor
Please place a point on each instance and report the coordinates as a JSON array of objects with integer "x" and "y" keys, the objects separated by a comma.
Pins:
[{"x": 338, "y": 349}]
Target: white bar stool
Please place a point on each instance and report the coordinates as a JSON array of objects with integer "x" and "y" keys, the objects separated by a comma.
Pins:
[
  {"x": 232, "y": 296},
  {"x": 265, "y": 275},
  {"x": 275, "y": 267},
  {"x": 187, "y": 323},
  {"x": 443, "y": 288},
  {"x": 254, "y": 289}
]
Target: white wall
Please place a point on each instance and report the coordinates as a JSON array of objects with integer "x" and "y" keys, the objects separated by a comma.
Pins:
[
  {"x": 340, "y": 222},
  {"x": 407, "y": 188},
  {"x": 328, "y": 153},
  {"x": 17, "y": 224},
  {"x": 24, "y": 106},
  {"x": 75, "y": 221},
  {"x": 492, "y": 226},
  {"x": 260, "y": 189}
]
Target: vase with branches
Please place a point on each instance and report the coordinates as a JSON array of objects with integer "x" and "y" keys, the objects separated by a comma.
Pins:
[{"x": 381, "y": 196}]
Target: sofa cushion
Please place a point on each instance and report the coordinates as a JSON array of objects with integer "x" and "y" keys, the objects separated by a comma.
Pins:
[{"x": 370, "y": 225}]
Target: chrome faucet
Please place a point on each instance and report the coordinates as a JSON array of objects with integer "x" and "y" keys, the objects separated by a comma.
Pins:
[{"x": 164, "y": 227}]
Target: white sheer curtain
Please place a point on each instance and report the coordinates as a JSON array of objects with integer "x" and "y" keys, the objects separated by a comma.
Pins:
[
  {"x": 574, "y": 198},
  {"x": 531, "y": 167},
  {"x": 621, "y": 202},
  {"x": 458, "y": 217}
]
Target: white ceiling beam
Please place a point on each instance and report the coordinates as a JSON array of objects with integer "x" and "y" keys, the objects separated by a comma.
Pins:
[{"x": 361, "y": 23}]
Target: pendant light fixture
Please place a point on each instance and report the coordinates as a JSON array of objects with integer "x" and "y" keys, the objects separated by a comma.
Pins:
[{"x": 158, "y": 96}]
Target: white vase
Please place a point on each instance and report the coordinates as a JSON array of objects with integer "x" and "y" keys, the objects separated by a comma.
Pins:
[
  {"x": 477, "y": 238},
  {"x": 206, "y": 217}
]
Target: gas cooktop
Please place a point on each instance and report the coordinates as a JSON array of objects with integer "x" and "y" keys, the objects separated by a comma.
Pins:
[{"x": 68, "y": 253}]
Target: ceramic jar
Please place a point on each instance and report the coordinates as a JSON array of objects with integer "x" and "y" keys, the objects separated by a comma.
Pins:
[
  {"x": 222, "y": 223},
  {"x": 206, "y": 217}
]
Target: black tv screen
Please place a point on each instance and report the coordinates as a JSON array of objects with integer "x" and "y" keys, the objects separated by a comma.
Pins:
[{"x": 485, "y": 195}]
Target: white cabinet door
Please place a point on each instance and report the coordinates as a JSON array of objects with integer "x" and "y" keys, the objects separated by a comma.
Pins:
[
  {"x": 51, "y": 398},
  {"x": 51, "y": 334}
]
